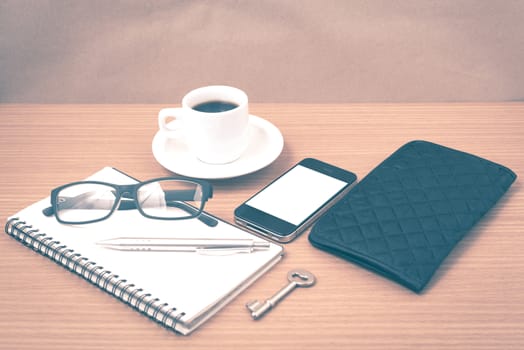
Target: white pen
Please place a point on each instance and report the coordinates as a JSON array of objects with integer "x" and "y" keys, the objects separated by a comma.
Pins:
[{"x": 198, "y": 245}]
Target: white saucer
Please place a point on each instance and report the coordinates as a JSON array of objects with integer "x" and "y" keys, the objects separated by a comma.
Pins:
[{"x": 266, "y": 144}]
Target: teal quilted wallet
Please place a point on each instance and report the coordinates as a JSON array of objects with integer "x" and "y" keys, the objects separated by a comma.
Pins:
[{"x": 408, "y": 213}]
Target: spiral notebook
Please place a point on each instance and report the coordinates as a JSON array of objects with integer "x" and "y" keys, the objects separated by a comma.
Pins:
[{"x": 180, "y": 290}]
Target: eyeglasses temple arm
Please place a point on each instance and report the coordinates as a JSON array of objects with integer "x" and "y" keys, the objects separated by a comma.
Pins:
[
  {"x": 179, "y": 195},
  {"x": 206, "y": 219}
]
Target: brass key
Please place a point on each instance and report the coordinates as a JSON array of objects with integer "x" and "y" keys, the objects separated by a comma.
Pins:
[{"x": 297, "y": 278}]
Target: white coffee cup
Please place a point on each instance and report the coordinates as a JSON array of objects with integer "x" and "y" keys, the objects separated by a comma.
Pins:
[{"x": 216, "y": 132}]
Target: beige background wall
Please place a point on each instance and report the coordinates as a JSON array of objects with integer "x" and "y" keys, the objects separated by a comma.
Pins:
[{"x": 278, "y": 51}]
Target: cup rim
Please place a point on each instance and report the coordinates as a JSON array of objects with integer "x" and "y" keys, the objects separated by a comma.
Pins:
[{"x": 198, "y": 95}]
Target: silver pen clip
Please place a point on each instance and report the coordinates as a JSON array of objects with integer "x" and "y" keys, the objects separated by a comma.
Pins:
[{"x": 223, "y": 251}]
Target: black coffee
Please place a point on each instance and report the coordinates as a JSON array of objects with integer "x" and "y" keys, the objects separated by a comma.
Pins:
[{"x": 215, "y": 106}]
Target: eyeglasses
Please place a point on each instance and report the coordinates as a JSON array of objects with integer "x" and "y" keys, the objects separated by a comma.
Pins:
[{"x": 169, "y": 198}]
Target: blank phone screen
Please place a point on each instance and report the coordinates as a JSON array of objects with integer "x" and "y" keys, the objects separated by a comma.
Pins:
[{"x": 297, "y": 194}]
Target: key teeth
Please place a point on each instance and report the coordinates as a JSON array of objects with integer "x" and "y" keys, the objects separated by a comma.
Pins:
[
  {"x": 253, "y": 305},
  {"x": 258, "y": 309}
]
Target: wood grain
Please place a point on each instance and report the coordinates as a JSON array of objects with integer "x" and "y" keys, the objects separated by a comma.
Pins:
[{"x": 474, "y": 301}]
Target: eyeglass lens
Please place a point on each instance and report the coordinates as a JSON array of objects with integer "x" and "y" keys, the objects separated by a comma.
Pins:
[
  {"x": 85, "y": 202},
  {"x": 170, "y": 199}
]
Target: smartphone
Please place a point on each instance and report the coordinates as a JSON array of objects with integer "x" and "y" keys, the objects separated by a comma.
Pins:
[{"x": 288, "y": 205}]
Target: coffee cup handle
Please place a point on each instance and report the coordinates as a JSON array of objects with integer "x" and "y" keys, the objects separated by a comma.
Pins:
[{"x": 174, "y": 127}]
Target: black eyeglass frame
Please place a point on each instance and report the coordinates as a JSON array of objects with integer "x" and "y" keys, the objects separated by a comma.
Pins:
[{"x": 131, "y": 201}]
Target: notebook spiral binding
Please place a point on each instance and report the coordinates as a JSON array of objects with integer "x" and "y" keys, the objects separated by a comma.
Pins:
[{"x": 118, "y": 287}]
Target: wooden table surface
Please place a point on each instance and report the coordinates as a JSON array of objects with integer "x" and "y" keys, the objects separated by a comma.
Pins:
[{"x": 475, "y": 301}]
